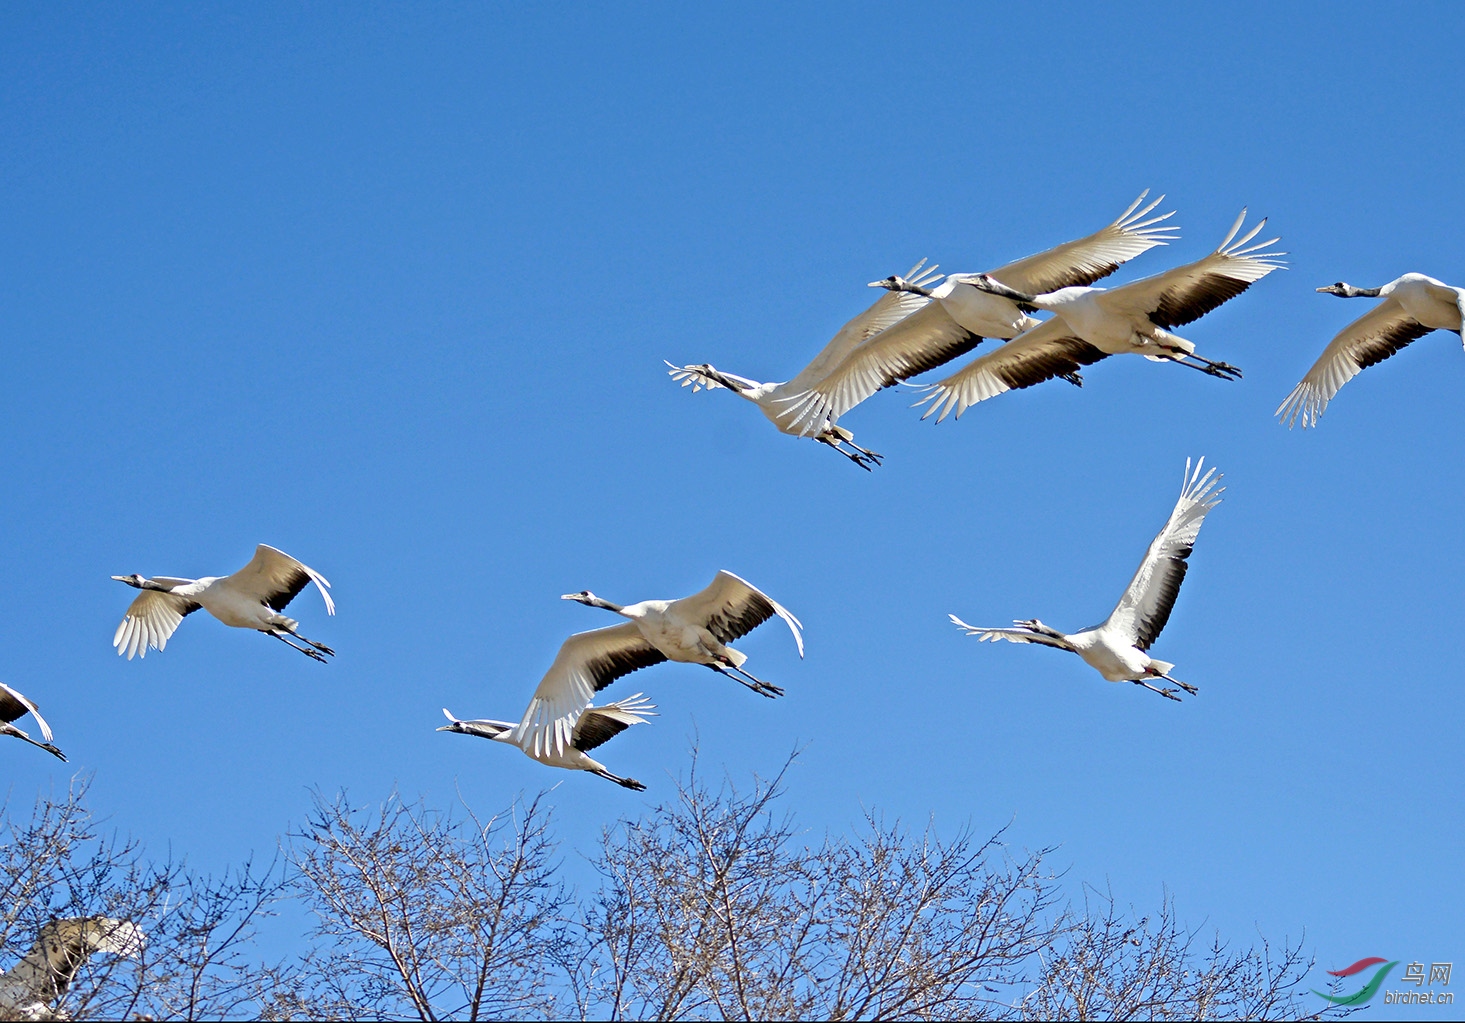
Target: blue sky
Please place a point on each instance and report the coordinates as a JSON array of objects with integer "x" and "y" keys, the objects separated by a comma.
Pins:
[{"x": 389, "y": 288}]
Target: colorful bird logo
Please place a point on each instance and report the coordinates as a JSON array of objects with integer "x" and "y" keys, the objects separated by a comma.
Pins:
[{"x": 1366, "y": 993}]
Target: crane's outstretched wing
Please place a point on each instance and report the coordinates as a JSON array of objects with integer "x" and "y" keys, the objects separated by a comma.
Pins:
[
  {"x": 151, "y": 619},
  {"x": 1048, "y": 350},
  {"x": 587, "y": 663},
  {"x": 1093, "y": 258},
  {"x": 888, "y": 310},
  {"x": 1145, "y": 607},
  {"x": 1021, "y": 634},
  {"x": 731, "y": 607},
  {"x": 1373, "y": 337},
  {"x": 14, "y": 705},
  {"x": 923, "y": 340},
  {"x": 1186, "y": 293},
  {"x": 598, "y": 725},
  {"x": 275, "y": 578}
]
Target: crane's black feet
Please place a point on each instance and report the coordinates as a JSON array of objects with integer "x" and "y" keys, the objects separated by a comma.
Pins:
[{"x": 1167, "y": 693}]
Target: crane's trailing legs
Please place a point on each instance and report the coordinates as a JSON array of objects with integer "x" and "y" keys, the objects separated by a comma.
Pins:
[
  {"x": 1169, "y": 694},
  {"x": 758, "y": 686},
  {"x": 280, "y": 632},
  {"x": 1192, "y": 690},
  {"x": 1224, "y": 370},
  {"x": 7, "y": 729},
  {"x": 834, "y": 437},
  {"x": 630, "y": 783}
]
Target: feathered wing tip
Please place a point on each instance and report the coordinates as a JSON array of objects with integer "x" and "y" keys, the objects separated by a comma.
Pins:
[
  {"x": 30, "y": 708},
  {"x": 449, "y": 715},
  {"x": 1201, "y": 490},
  {"x": 1252, "y": 253},
  {"x": 1134, "y": 223},
  {"x": 690, "y": 376},
  {"x": 1305, "y": 403},
  {"x": 637, "y": 706},
  {"x": 923, "y": 278},
  {"x": 1023, "y": 633},
  {"x": 942, "y": 399}
]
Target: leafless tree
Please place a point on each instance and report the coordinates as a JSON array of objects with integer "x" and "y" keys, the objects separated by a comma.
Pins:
[
  {"x": 714, "y": 904},
  {"x": 425, "y": 916},
  {"x": 714, "y": 907},
  {"x": 1107, "y": 964},
  {"x": 58, "y": 862}
]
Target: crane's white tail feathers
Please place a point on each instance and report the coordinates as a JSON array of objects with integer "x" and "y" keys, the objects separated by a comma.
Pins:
[
  {"x": 738, "y": 658},
  {"x": 690, "y": 376},
  {"x": 1307, "y": 402},
  {"x": 1163, "y": 667}
]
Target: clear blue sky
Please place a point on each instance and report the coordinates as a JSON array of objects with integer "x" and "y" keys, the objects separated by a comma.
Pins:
[{"x": 389, "y": 288}]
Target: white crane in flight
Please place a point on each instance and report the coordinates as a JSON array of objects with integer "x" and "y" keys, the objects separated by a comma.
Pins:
[
  {"x": 251, "y": 598},
  {"x": 915, "y": 327},
  {"x": 13, "y": 706},
  {"x": 696, "y": 629},
  {"x": 1412, "y": 306},
  {"x": 1094, "y": 323},
  {"x": 31, "y": 988},
  {"x": 594, "y": 726},
  {"x": 1117, "y": 648},
  {"x": 693, "y": 630}
]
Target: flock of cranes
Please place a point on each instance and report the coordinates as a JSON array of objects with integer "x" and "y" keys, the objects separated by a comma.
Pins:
[{"x": 921, "y": 322}]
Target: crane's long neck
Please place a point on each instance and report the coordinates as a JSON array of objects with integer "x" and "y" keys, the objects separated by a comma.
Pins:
[
  {"x": 901, "y": 284},
  {"x": 1349, "y": 291},
  {"x": 996, "y": 287},
  {"x": 594, "y": 601},
  {"x": 1058, "y": 639},
  {"x": 733, "y": 382}
]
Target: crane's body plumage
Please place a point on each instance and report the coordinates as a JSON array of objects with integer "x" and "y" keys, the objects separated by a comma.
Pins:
[
  {"x": 1091, "y": 324},
  {"x": 1118, "y": 647},
  {"x": 1413, "y": 305},
  {"x": 251, "y": 598}
]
